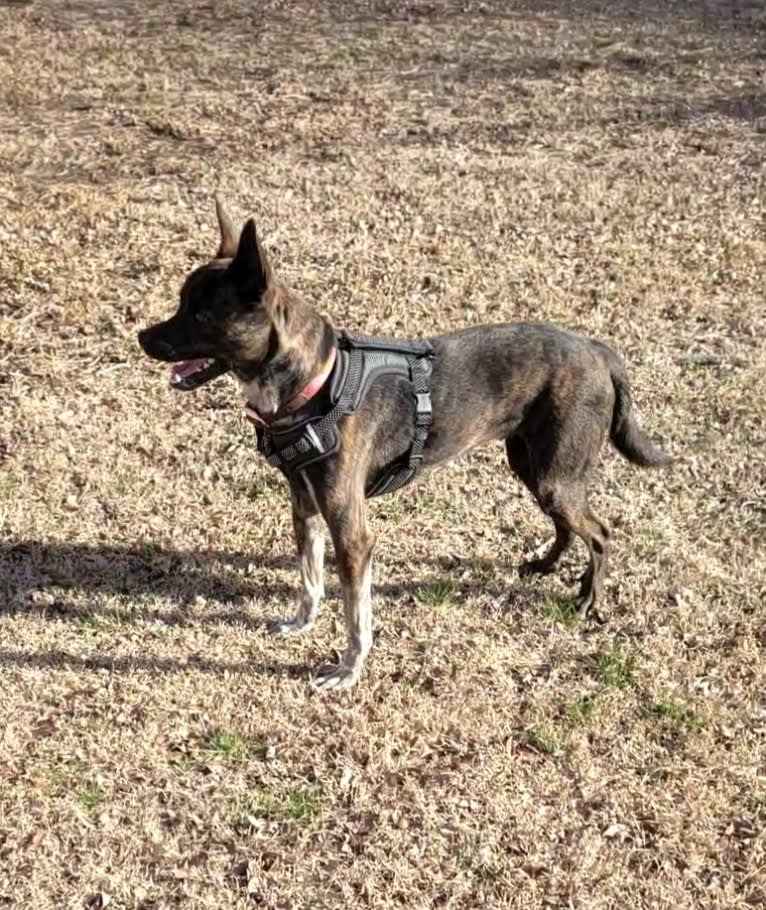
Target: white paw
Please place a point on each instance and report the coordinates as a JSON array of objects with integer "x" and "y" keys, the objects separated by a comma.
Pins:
[
  {"x": 335, "y": 678},
  {"x": 289, "y": 626}
]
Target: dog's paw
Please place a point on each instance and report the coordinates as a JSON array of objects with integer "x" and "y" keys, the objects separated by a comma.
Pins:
[
  {"x": 288, "y": 626},
  {"x": 587, "y": 613},
  {"x": 585, "y": 607},
  {"x": 334, "y": 679},
  {"x": 535, "y": 567}
]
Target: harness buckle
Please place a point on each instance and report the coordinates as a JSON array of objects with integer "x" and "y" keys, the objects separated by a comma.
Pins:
[
  {"x": 313, "y": 436},
  {"x": 424, "y": 415}
]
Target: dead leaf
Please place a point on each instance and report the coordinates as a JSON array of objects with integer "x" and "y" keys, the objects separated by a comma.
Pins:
[{"x": 617, "y": 832}]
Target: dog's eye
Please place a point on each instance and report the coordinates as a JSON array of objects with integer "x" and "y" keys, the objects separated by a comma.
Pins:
[{"x": 203, "y": 316}]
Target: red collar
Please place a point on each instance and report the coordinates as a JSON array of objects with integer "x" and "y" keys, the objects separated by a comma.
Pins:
[{"x": 299, "y": 399}]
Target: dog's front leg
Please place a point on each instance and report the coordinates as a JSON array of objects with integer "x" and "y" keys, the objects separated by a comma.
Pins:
[
  {"x": 353, "y": 542},
  {"x": 309, "y": 539}
]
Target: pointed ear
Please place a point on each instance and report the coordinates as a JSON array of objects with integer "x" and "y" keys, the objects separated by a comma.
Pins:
[
  {"x": 250, "y": 265},
  {"x": 228, "y": 247}
]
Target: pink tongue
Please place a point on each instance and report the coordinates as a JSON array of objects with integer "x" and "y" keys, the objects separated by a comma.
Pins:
[{"x": 186, "y": 367}]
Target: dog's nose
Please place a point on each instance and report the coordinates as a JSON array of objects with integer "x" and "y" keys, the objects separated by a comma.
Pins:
[{"x": 154, "y": 347}]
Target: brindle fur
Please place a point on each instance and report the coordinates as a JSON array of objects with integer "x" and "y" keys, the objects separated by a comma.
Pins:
[{"x": 552, "y": 396}]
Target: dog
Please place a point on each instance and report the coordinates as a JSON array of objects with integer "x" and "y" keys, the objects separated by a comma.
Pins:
[{"x": 552, "y": 396}]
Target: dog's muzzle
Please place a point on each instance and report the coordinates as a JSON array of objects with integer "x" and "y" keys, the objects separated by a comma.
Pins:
[
  {"x": 187, "y": 374},
  {"x": 155, "y": 347}
]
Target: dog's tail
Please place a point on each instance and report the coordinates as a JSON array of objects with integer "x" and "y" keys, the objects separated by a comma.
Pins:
[{"x": 626, "y": 435}]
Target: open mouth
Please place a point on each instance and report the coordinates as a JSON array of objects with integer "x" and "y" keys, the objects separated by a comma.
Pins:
[{"x": 191, "y": 374}]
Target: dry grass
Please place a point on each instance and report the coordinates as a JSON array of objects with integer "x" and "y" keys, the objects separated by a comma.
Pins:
[{"x": 414, "y": 167}]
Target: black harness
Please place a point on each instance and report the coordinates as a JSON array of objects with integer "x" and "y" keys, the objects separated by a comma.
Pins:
[{"x": 299, "y": 441}]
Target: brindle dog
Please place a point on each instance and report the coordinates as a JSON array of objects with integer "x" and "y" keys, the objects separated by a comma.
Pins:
[{"x": 552, "y": 396}]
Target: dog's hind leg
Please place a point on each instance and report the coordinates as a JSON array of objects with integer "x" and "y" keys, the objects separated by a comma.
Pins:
[
  {"x": 519, "y": 460},
  {"x": 558, "y": 479},
  {"x": 353, "y": 542},
  {"x": 595, "y": 534},
  {"x": 309, "y": 538},
  {"x": 566, "y": 502}
]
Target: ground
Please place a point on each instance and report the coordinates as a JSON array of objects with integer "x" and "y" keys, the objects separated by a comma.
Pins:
[{"x": 414, "y": 167}]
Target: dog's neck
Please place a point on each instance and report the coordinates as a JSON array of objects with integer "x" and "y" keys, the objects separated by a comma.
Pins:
[
  {"x": 300, "y": 360},
  {"x": 300, "y": 399}
]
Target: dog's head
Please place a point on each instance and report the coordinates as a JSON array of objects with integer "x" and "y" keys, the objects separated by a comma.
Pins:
[{"x": 226, "y": 314}]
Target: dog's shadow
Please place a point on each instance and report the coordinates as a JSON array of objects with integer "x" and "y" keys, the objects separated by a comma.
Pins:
[
  {"x": 47, "y": 579},
  {"x": 56, "y": 659},
  {"x": 29, "y": 569},
  {"x": 209, "y": 586}
]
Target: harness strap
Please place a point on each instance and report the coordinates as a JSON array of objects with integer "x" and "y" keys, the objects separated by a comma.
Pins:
[
  {"x": 371, "y": 343},
  {"x": 398, "y": 474},
  {"x": 292, "y": 447},
  {"x": 345, "y": 402}
]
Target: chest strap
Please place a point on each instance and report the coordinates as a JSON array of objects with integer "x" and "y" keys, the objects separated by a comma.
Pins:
[
  {"x": 299, "y": 441},
  {"x": 401, "y": 472}
]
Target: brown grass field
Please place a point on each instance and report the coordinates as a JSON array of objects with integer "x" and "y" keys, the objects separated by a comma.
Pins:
[{"x": 414, "y": 167}]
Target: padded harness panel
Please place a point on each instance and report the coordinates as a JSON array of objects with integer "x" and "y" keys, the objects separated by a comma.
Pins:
[{"x": 299, "y": 441}]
